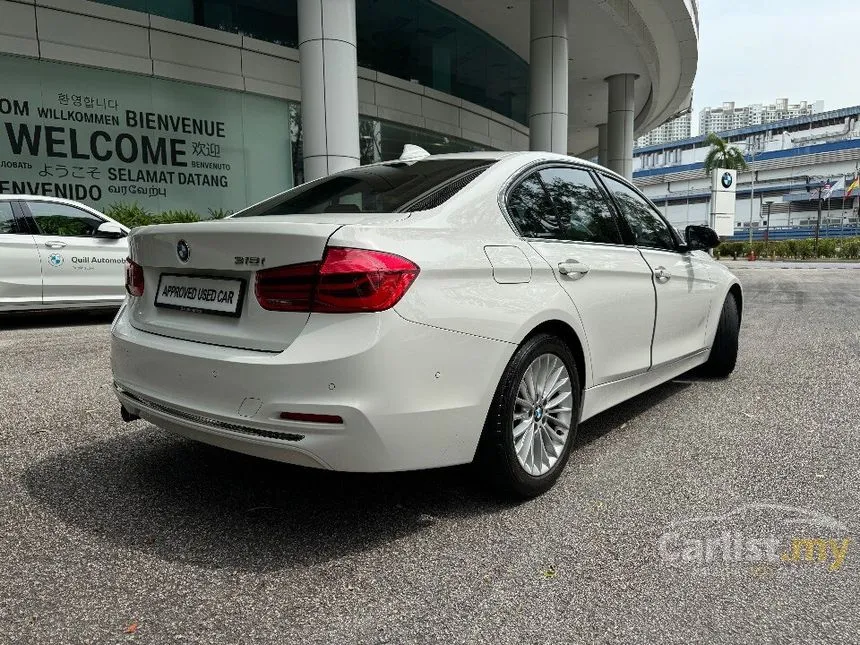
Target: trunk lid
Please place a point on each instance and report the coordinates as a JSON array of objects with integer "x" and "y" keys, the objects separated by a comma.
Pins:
[{"x": 196, "y": 296}]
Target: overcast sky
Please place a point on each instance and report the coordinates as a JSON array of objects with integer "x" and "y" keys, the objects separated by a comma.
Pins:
[{"x": 755, "y": 51}]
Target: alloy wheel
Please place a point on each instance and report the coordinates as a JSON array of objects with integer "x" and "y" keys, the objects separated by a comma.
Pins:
[{"x": 542, "y": 414}]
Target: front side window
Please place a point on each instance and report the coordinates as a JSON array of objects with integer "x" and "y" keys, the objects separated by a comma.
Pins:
[
  {"x": 531, "y": 211},
  {"x": 649, "y": 229},
  {"x": 62, "y": 220},
  {"x": 7, "y": 219},
  {"x": 385, "y": 188},
  {"x": 583, "y": 214}
]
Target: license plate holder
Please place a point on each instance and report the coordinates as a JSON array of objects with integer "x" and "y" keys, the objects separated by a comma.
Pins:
[{"x": 205, "y": 294}]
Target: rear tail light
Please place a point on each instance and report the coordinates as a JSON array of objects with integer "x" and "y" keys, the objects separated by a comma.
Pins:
[
  {"x": 288, "y": 288},
  {"x": 346, "y": 281},
  {"x": 133, "y": 278},
  {"x": 360, "y": 280}
]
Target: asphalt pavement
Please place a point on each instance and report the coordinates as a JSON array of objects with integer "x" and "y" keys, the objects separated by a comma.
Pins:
[{"x": 121, "y": 533}]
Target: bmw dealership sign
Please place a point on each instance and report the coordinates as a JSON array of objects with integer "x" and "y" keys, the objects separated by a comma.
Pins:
[{"x": 723, "y": 195}]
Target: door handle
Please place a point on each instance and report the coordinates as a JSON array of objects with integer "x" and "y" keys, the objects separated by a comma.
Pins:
[
  {"x": 662, "y": 274},
  {"x": 573, "y": 268},
  {"x": 55, "y": 244}
]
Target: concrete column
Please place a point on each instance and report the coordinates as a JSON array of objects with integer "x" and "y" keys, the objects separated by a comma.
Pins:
[
  {"x": 329, "y": 86},
  {"x": 619, "y": 124},
  {"x": 548, "y": 73},
  {"x": 602, "y": 145}
]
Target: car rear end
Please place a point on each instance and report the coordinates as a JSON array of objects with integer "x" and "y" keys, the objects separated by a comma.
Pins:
[{"x": 263, "y": 334}]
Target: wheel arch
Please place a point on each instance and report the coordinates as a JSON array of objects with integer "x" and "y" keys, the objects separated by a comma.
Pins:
[
  {"x": 738, "y": 294},
  {"x": 734, "y": 291},
  {"x": 489, "y": 449},
  {"x": 566, "y": 333}
]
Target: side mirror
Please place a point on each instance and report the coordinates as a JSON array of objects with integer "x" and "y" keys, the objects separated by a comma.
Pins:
[
  {"x": 109, "y": 231},
  {"x": 701, "y": 238}
]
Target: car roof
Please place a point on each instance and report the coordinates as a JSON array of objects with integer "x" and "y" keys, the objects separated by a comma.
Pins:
[
  {"x": 46, "y": 198},
  {"x": 55, "y": 200}
]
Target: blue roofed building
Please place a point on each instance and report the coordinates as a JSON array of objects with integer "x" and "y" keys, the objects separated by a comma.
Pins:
[{"x": 789, "y": 161}]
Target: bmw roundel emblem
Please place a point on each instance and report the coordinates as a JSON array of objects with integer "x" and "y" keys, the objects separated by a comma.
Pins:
[
  {"x": 727, "y": 180},
  {"x": 182, "y": 251}
]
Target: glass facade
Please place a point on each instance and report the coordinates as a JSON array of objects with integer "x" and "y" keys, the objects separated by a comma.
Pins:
[
  {"x": 384, "y": 141},
  {"x": 419, "y": 40},
  {"x": 176, "y": 9},
  {"x": 416, "y": 40},
  {"x": 275, "y": 22},
  {"x": 378, "y": 141}
]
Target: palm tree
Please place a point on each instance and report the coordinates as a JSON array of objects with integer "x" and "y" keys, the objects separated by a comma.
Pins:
[{"x": 722, "y": 155}]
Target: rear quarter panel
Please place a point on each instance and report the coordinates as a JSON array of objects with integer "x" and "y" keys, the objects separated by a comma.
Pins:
[{"x": 455, "y": 289}]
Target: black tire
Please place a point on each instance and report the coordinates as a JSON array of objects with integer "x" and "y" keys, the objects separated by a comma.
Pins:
[
  {"x": 497, "y": 458},
  {"x": 724, "y": 351}
]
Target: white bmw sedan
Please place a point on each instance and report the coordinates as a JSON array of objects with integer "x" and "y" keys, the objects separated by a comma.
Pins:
[
  {"x": 59, "y": 254},
  {"x": 420, "y": 313}
]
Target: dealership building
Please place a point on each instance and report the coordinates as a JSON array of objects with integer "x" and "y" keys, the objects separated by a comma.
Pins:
[
  {"x": 792, "y": 163},
  {"x": 215, "y": 104}
]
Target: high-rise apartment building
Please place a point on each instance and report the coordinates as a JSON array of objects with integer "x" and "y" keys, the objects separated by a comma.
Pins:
[
  {"x": 672, "y": 130},
  {"x": 730, "y": 117}
]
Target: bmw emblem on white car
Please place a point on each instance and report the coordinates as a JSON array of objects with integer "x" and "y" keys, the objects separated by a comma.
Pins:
[
  {"x": 55, "y": 260},
  {"x": 727, "y": 180},
  {"x": 182, "y": 251}
]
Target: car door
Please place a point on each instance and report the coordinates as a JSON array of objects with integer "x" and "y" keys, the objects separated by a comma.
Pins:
[
  {"x": 566, "y": 218},
  {"x": 682, "y": 280},
  {"x": 20, "y": 267},
  {"x": 78, "y": 266}
]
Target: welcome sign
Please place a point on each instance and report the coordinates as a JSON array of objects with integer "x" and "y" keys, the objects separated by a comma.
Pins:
[{"x": 103, "y": 137}]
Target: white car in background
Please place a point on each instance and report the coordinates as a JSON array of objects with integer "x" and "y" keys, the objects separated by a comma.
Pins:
[
  {"x": 419, "y": 313},
  {"x": 59, "y": 254}
]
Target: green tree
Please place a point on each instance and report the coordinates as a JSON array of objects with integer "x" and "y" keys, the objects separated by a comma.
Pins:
[{"x": 722, "y": 155}]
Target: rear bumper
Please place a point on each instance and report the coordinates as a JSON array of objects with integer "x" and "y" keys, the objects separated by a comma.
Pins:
[{"x": 410, "y": 396}]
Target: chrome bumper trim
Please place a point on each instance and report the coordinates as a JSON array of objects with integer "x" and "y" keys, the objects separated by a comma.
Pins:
[{"x": 203, "y": 420}]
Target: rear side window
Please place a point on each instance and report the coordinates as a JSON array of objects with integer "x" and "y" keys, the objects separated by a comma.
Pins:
[
  {"x": 648, "y": 227},
  {"x": 7, "y": 219},
  {"x": 62, "y": 220},
  {"x": 583, "y": 214},
  {"x": 531, "y": 211},
  {"x": 386, "y": 188}
]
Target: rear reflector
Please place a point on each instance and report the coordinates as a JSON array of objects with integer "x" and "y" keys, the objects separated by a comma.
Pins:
[
  {"x": 311, "y": 418},
  {"x": 133, "y": 278},
  {"x": 346, "y": 281}
]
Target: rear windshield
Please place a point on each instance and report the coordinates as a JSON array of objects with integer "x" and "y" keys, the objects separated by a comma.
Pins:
[{"x": 371, "y": 189}]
